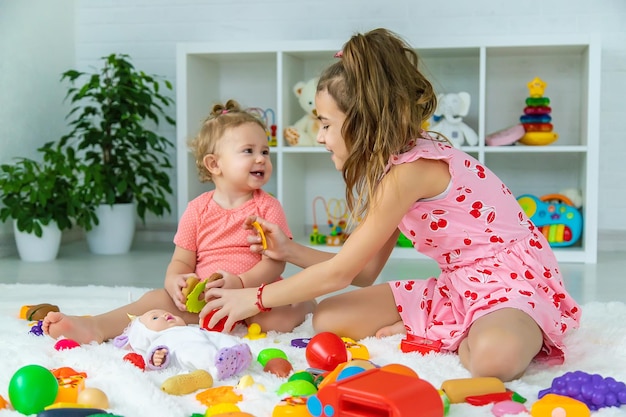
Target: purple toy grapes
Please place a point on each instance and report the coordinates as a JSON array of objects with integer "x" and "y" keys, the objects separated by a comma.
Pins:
[{"x": 591, "y": 389}]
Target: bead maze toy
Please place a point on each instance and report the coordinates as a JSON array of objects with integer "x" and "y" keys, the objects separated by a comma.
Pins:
[
  {"x": 336, "y": 214},
  {"x": 269, "y": 118},
  {"x": 536, "y": 118},
  {"x": 560, "y": 222}
]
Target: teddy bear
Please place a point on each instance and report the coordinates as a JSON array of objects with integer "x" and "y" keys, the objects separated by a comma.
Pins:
[{"x": 304, "y": 131}]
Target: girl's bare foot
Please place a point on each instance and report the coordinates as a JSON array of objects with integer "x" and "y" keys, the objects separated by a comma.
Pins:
[
  {"x": 79, "y": 329},
  {"x": 396, "y": 328}
]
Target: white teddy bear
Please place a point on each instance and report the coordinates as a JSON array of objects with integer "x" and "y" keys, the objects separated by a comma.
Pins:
[{"x": 304, "y": 131}]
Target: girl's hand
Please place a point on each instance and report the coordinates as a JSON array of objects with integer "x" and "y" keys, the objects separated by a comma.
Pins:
[
  {"x": 174, "y": 287},
  {"x": 277, "y": 241},
  {"x": 237, "y": 305}
]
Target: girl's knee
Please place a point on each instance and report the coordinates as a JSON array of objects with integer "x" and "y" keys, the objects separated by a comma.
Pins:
[
  {"x": 498, "y": 355},
  {"x": 324, "y": 320}
]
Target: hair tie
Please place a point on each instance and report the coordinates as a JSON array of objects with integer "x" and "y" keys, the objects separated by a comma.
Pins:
[
  {"x": 224, "y": 111},
  {"x": 338, "y": 54}
]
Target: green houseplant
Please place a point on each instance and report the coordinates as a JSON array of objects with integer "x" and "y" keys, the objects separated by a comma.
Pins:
[
  {"x": 113, "y": 141},
  {"x": 42, "y": 197}
]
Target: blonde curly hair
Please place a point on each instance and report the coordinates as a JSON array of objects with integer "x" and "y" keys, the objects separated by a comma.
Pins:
[{"x": 222, "y": 117}]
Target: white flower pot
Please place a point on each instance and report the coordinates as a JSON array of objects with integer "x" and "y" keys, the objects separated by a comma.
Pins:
[
  {"x": 115, "y": 231},
  {"x": 38, "y": 249}
]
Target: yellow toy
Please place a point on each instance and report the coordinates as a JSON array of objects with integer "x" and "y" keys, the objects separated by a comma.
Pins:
[
  {"x": 187, "y": 383},
  {"x": 224, "y": 409},
  {"x": 558, "y": 405},
  {"x": 539, "y": 138},
  {"x": 356, "y": 350},
  {"x": 291, "y": 407},
  {"x": 259, "y": 229},
  {"x": 458, "y": 389},
  {"x": 254, "y": 332},
  {"x": 93, "y": 397},
  {"x": 69, "y": 389}
]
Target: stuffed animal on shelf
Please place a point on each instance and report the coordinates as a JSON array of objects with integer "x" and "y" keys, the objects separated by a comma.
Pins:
[
  {"x": 451, "y": 108},
  {"x": 304, "y": 131}
]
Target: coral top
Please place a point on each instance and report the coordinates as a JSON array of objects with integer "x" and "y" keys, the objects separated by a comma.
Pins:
[
  {"x": 217, "y": 234},
  {"x": 490, "y": 254}
]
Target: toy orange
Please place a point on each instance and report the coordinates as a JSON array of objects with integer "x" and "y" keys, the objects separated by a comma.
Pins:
[
  {"x": 219, "y": 395},
  {"x": 399, "y": 369}
]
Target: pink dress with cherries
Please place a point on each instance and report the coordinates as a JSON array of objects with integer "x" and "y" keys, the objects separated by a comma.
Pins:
[{"x": 490, "y": 254}]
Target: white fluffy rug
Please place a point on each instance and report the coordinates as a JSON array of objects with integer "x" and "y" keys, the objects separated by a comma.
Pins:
[{"x": 599, "y": 346}]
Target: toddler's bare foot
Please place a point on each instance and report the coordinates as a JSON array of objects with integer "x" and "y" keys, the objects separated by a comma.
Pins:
[
  {"x": 79, "y": 329},
  {"x": 396, "y": 328}
]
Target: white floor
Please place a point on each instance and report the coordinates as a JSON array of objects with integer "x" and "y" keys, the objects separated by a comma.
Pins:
[{"x": 145, "y": 267}]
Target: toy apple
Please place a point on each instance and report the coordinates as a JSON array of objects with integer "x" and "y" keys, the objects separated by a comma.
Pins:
[
  {"x": 219, "y": 327},
  {"x": 325, "y": 351}
]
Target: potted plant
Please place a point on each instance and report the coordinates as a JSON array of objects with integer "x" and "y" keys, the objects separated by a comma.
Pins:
[
  {"x": 123, "y": 161},
  {"x": 42, "y": 199}
]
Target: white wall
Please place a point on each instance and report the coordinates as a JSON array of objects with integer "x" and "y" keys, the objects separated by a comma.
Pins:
[
  {"x": 36, "y": 46},
  {"x": 149, "y": 30}
]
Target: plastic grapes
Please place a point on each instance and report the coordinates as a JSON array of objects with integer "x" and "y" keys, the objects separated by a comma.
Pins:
[{"x": 592, "y": 389}]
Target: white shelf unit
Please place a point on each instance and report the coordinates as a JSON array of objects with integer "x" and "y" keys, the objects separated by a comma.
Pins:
[{"x": 494, "y": 71}]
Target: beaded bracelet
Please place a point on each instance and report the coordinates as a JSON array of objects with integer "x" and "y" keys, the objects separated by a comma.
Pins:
[{"x": 259, "y": 299}]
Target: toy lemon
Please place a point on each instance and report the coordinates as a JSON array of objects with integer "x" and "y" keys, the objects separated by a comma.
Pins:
[
  {"x": 291, "y": 407},
  {"x": 221, "y": 409},
  {"x": 356, "y": 350}
]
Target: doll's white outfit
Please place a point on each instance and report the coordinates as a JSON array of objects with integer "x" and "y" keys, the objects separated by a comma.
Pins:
[{"x": 190, "y": 347}]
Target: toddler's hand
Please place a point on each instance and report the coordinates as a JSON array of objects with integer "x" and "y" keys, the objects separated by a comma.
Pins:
[
  {"x": 175, "y": 289},
  {"x": 228, "y": 281}
]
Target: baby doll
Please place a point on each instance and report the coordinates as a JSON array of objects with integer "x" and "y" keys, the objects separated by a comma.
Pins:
[{"x": 164, "y": 339}]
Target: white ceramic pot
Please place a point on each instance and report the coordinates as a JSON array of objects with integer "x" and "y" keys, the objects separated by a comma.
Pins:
[
  {"x": 116, "y": 230},
  {"x": 38, "y": 249}
]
